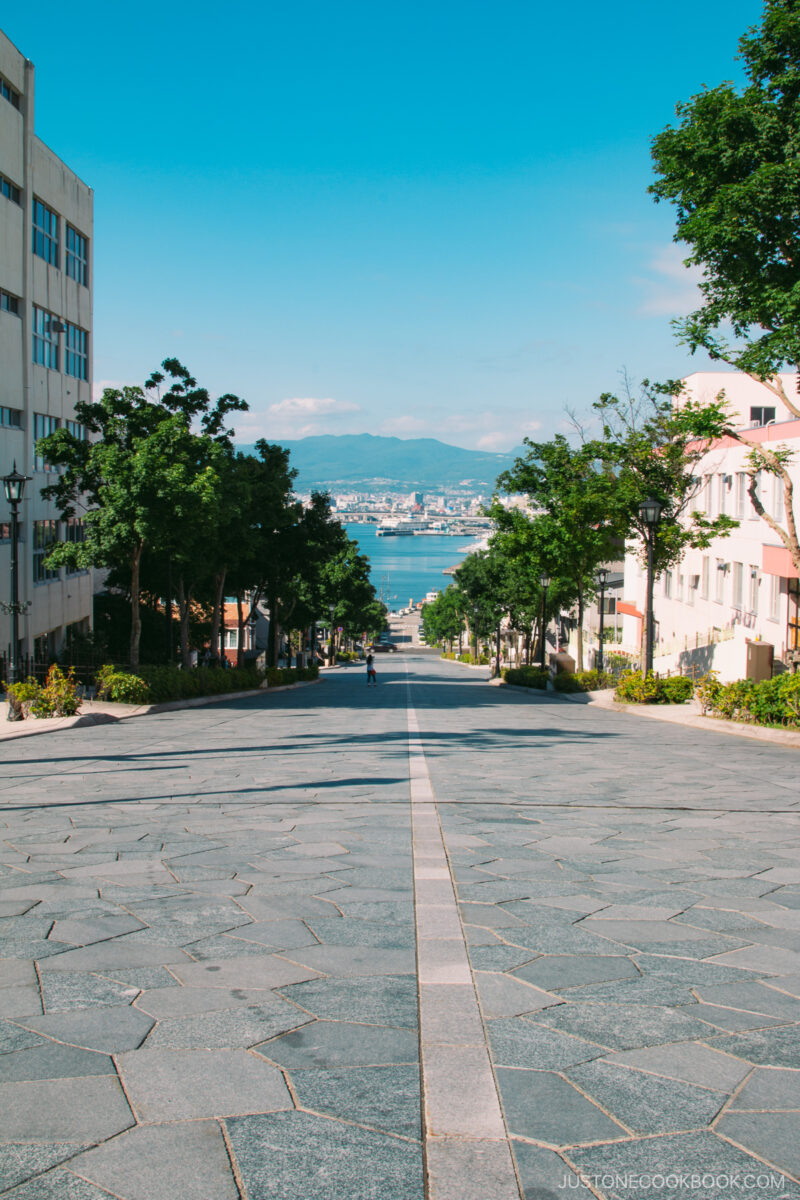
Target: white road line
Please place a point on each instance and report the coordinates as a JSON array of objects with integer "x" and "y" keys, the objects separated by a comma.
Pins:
[{"x": 467, "y": 1152}]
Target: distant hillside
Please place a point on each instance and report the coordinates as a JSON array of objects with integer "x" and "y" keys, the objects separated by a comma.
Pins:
[{"x": 355, "y": 462}]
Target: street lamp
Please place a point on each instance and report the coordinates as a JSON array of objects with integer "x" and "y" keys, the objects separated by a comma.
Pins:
[
  {"x": 14, "y": 486},
  {"x": 602, "y": 576},
  {"x": 475, "y": 611},
  {"x": 544, "y": 580},
  {"x": 649, "y": 515}
]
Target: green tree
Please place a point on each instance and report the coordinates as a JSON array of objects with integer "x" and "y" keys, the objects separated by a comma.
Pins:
[
  {"x": 731, "y": 168},
  {"x": 443, "y": 618},
  {"x": 574, "y": 496},
  {"x": 141, "y": 476}
]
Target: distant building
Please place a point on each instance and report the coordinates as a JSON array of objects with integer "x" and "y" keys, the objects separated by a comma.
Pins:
[{"x": 46, "y": 232}]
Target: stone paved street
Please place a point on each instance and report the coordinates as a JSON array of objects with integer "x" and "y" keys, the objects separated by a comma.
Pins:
[{"x": 229, "y": 934}]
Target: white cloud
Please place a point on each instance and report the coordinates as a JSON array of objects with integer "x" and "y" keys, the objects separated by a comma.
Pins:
[
  {"x": 671, "y": 288},
  {"x": 100, "y": 385},
  {"x": 311, "y": 406}
]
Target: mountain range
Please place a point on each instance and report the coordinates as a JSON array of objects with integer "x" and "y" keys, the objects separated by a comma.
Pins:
[{"x": 367, "y": 462}]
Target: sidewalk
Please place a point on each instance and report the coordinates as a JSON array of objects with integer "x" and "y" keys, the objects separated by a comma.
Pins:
[{"x": 104, "y": 712}]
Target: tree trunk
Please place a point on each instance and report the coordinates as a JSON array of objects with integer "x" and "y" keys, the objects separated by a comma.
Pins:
[
  {"x": 136, "y": 617},
  {"x": 239, "y": 630},
  {"x": 184, "y": 608},
  {"x": 580, "y": 627},
  {"x": 218, "y": 617},
  {"x": 168, "y": 611},
  {"x": 274, "y": 633},
  {"x": 528, "y": 648}
]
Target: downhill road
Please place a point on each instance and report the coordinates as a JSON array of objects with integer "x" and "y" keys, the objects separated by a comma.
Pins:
[{"x": 435, "y": 939}]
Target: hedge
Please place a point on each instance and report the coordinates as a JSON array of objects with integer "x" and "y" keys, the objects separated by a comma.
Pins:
[
  {"x": 635, "y": 688},
  {"x": 769, "y": 702},
  {"x": 583, "y": 681},
  {"x": 532, "y": 677}
]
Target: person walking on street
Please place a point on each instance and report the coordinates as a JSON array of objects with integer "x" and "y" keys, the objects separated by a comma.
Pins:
[{"x": 371, "y": 675}]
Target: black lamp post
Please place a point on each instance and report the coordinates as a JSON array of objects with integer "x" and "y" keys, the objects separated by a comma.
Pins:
[
  {"x": 650, "y": 515},
  {"x": 544, "y": 580},
  {"x": 475, "y": 628},
  {"x": 602, "y": 576},
  {"x": 14, "y": 486}
]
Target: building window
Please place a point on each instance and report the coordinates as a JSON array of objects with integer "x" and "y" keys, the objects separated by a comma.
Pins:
[
  {"x": 45, "y": 233},
  {"x": 778, "y": 507},
  {"x": 9, "y": 93},
  {"x": 11, "y": 418},
  {"x": 9, "y": 303},
  {"x": 75, "y": 532},
  {"x": 708, "y": 495},
  {"x": 719, "y": 581},
  {"x": 741, "y": 494},
  {"x": 77, "y": 263},
  {"x": 10, "y": 190},
  {"x": 680, "y": 587},
  {"x": 761, "y": 416},
  {"x": 45, "y": 339},
  {"x": 753, "y": 597},
  {"x": 705, "y": 577},
  {"x": 42, "y": 427},
  {"x": 722, "y": 494},
  {"x": 45, "y": 533},
  {"x": 668, "y": 585},
  {"x": 774, "y": 597},
  {"x": 738, "y": 585},
  {"x": 77, "y": 430},
  {"x": 231, "y": 639},
  {"x": 76, "y": 353}
]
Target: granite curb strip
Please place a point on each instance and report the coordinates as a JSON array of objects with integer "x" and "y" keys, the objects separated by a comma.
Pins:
[
  {"x": 116, "y": 712},
  {"x": 467, "y": 1150}
]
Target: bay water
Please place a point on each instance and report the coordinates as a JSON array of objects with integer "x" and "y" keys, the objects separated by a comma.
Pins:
[{"x": 403, "y": 569}]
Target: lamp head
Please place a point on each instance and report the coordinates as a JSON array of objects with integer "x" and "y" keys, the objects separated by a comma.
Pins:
[
  {"x": 544, "y": 580},
  {"x": 650, "y": 512},
  {"x": 602, "y": 576},
  {"x": 14, "y": 485}
]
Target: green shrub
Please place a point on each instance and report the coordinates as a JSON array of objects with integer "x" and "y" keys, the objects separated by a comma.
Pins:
[
  {"x": 59, "y": 696},
  {"x": 122, "y": 687},
  {"x": 532, "y": 677},
  {"x": 583, "y": 681},
  {"x": 172, "y": 683},
  {"x": 635, "y": 688},
  {"x": 281, "y": 676},
  {"x": 21, "y": 695},
  {"x": 769, "y": 702},
  {"x": 676, "y": 689}
]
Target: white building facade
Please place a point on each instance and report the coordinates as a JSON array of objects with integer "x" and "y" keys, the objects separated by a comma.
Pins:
[
  {"x": 46, "y": 230},
  {"x": 734, "y": 606}
]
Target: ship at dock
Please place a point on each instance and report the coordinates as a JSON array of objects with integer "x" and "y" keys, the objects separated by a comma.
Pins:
[{"x": 408, "y": 527}]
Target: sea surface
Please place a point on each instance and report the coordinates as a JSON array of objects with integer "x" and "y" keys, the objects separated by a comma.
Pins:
[{"x": 403, "y": 569}]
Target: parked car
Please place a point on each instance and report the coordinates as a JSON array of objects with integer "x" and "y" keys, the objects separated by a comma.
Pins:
[{"x": 381, "y": 647}]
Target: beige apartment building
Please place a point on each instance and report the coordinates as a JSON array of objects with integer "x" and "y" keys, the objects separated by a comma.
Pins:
[{"x": 46, "y": 215}]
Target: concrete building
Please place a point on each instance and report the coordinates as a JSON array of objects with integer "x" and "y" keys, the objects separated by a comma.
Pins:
[
  {"x": 45, "y": 351},
  {"x": 735, "y": 606}
]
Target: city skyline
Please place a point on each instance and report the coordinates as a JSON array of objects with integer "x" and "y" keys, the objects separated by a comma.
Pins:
[{"x": 405, "y": 222}]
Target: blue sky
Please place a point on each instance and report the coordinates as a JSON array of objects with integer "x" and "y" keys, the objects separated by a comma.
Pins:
[{"x": 424, "y": 219}]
